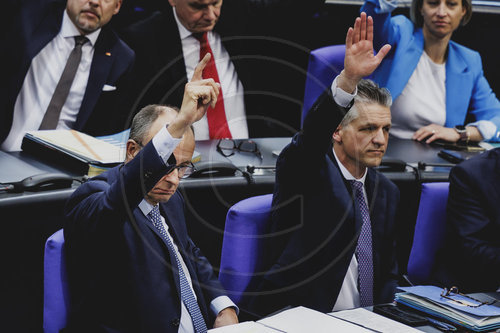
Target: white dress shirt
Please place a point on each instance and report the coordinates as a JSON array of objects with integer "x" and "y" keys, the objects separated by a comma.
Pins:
[
  {"x": 40, "y": 82},
  {"x": 165, "y": 144},
  {"x": 349, "y": 294},
  {"x": 231, "y": 87}
]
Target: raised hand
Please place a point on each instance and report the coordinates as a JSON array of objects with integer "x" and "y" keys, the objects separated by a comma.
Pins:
[
  {"x": 360, "y": 60},
  {"x": 199, "y": 94}
]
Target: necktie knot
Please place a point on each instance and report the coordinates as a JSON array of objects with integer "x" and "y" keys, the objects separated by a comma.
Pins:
[
  {"x": 80, "y": 40},
  {"x": 356, "y": 185}
]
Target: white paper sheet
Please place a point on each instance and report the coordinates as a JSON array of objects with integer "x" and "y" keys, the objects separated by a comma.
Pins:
[
  {"x": 373, "y": 321},
  {"x": 302, "y": 319}
]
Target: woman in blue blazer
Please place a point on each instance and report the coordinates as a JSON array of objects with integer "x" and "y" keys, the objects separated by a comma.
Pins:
[{"x": 437, "y": 85}]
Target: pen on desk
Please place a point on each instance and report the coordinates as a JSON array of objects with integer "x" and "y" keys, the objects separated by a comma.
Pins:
[{"x": 442, "y": 325}]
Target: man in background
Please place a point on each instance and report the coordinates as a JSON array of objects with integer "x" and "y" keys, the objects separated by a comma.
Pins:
[
  {"x": 470, "y": 256},
  {"x": 63, "y": 69},
  {"x": 254, "y": 59}
]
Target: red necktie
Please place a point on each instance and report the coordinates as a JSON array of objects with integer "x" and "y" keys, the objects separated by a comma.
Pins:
[{"x": 217, "y": 122}]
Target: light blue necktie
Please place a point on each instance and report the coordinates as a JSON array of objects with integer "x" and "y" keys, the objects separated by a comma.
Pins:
[
  {"x": 187, "y": 295},
  {"x": 364, "y": 248}
]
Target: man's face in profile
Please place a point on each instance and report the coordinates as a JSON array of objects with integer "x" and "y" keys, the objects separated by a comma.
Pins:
[
  {"x": 90, "y": 15},
  {"x": 197, "y": 16}
]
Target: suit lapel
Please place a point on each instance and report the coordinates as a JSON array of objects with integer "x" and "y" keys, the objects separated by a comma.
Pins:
[
  {"x": 99, "y": 71},
  {"x": 458, "y": 87},
  {"x": 344, "y": 194},
  {"x": 170, "y": 47},
  {"x": 144, "y": 219}
]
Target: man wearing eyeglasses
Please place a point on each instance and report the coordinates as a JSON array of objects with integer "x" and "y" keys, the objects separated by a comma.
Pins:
[
  {"x": 333, "y": 215},
  {"x": 131, "y": 265}
]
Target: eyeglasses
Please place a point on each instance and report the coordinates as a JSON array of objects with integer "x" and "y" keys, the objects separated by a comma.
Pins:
[
  {"x": 453, "y": 292},
  {"x": 184, "y": 170},
  {"x": 227, "y": 147}
]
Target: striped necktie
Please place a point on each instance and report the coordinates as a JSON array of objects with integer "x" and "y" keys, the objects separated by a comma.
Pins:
[
  {"x": 187, "y": 295},
  {"x": 364, "y": 248}
]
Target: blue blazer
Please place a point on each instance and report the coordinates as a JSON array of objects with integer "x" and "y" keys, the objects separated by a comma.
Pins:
[
  {"x": 121, "y": 275},
  {"x": 471, "y": 257},
  {"x": 469, "y": 97},
  {"x": 37, "y": 24},
  {"x": 316, "y": 223}
]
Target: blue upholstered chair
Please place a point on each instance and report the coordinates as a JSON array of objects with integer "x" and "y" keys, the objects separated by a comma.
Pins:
[
  {"x": 430, "y": 229},
  {"x": 243, "y": 243},
  {"x": 55, "y": 287},
  {"x": 324, "y": 65}
]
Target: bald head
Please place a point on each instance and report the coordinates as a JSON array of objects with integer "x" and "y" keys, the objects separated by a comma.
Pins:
[{"x": 148, "y": 122}]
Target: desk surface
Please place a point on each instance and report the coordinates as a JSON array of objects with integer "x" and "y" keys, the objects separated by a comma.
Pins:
[{"x": 408, "y": 151}]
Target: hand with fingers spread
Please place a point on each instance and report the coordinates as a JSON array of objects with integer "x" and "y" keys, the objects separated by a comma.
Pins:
[
  {"x": 199, "y": 94},
  {"x": 360, "y": 60}
]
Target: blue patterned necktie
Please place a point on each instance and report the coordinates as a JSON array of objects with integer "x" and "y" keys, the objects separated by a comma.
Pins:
[
  {"x": 364, "y": 249},
  {"x": 187, "y": 294}
]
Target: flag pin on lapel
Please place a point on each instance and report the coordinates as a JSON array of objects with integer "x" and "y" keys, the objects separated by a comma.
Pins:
[{"x": 108, "y": 54}]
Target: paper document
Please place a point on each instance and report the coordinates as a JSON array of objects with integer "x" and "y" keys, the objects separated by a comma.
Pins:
[
  {"x": 81, "y": 144},
  {"x": 245, "y": 327},
  {"x": 373, "y": 321},
  {"x": 302, "y": 319}
]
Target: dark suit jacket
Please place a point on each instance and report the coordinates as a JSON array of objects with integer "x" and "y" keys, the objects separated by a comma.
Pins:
[
  {"x": 258, "y": 35},
  {"x": 470, "y": 258},
  {"x": 120, "y": 270},
  {"x": 37, "y": 24},
  {"x": 319, "y": 223}
]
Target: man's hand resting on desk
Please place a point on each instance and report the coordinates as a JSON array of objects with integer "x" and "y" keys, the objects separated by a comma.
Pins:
[
  {"x": 226, "y": 317},
  {"x": 360, "y": 60}
]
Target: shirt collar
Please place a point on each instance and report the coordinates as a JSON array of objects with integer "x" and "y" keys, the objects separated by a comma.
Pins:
[
  {"x": 68, "y": 29},
  {"x": 145, "y": 207},
  {"x": 183, "y": 32},
  {"x": 347, "y": 175}
]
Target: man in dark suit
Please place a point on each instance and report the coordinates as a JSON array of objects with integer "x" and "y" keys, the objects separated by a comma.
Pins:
[
  {"x": 470, "y": 258},
  {"x": 40, "y": 42},
  {"x": 258, "y": 51},
  {"x": 333, "y": 214},
  {"x": 131, "y": 264}
]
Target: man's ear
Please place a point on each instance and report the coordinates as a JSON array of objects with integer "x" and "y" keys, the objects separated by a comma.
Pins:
[
  {"x": 132, "y": 149},
  {"x": 337, "y": 135}
]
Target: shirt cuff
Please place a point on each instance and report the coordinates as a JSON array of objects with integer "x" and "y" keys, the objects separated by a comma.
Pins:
[
  {"x": 486, "y": 128},
  {"x": 341, "y": 97},
  {"x": 165, "y": 144},
  {"x": 222, "y": 302},
  {"x": 387, "y": 6}
]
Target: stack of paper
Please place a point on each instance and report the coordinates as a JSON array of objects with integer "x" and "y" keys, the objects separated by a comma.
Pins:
[
  {"x": 427, "y": 299},
  {"x": 302, "y": 319}
]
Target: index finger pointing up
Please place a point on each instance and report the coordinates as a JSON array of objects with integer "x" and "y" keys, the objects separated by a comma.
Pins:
[{"x": 198, "y": 71}]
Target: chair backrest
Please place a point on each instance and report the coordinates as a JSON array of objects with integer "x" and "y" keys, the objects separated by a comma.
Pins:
[
  {"x": 55, "y": 284},
  {"x": 243, "y": 243},
  {"x": 430, "y": 228},
  {"x": 324, "y": 65}
]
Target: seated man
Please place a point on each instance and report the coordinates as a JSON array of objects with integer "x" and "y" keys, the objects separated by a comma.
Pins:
[
  {"x": 470, "y": 258},
  {"x": 334, "y": 215},
  {"x": 66, "y": 67},
  {"x": 131, "y": 265}
]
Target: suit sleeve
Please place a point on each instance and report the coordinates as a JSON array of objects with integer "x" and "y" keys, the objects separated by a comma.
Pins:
[
  {"x": 384, "y": 29},
  {"x": 484, "y": 104},
  {"x": 468, "y": 218},
  {"x": 100, "y": 202}
]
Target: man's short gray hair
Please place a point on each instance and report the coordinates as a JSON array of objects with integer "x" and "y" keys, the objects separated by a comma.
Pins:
[
  {"x": 144, "y": 119},
  {"x": 368, "y": 93}
]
